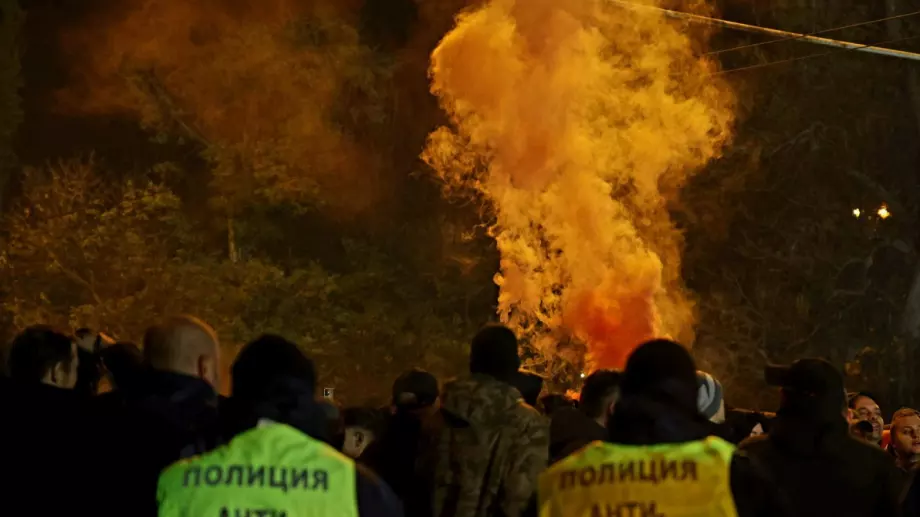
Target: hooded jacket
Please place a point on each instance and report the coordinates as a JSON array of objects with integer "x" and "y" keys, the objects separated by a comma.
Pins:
[
  {"x": 650, "y": 420},
  {"x": 570, "y": 430},
  {"x": 44, "y": 442},
  {"x": 162, "y": 418},
  {"x": 491, "y": 450},
  {"x": 404, "y": 457},
  {"x": 822, "y": 469}
]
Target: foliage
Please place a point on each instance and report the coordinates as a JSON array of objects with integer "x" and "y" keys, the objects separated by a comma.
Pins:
[
  {"x": 82, "y": 252},
  {"x": 781, "y": 265},
  {"x": 11, "y": 19},
  {"x": 275, "y": 95},
  {"x": 312, "y": 126}
]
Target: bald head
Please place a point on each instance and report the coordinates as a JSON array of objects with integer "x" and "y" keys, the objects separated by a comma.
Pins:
[{"x": 185, "y": 345}]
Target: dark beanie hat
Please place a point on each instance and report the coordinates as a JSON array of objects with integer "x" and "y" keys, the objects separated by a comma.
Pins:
[
  {"x": 661, "y": 366},
  {"x": 494, "y": 352},
  {"x": 265, "y": 363},
  {"x": 529, "y": 384},
  {"x": 415, "y": 389}
]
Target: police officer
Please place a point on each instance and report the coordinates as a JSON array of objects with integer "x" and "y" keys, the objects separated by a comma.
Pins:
[
  {"x": 276, "y": 464},
  {"x": 660, "y": 459}
]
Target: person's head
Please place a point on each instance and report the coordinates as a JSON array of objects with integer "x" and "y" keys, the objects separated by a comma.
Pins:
[
  {"x": 709, "y": 398},
  {"x": 599, "y": 395},
  {"x": 552, "y": 402},
  {"x": 529, "y": 384},
  {"x": 811, "y": 388},
  {"x": 744, "y": 423},
  {"x": 494, "y": 352},
  {"x": 269, "y": 364},
  {"x": 905, "y": 435},
  {"x": 862, "y": 407},
  {"x": 85, "y": 338},
  {"x": 273, "y": 380},
  {"x": 362, "y": 427},
  {"x": 90, "y": 372},
  {"x": 91, "y": 341},
  {"x": 123, "y": 362},
  {"x": 39, "y": 354},
  {"x": 415, "y": 390},
  {"x": 663, "y": 370},
  {"x": 862, "y": 430},
  {"x": 185, "y": 345}
]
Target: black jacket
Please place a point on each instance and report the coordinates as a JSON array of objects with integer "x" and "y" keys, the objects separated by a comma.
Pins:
[
  {"x": 910, "y": 495},
  {"x": 404, "y": 456},
  {"x": 163, "y": 418},
  {"x": 647, "y": 421},
  {"x": 44, "y": 450},
  {"x": 570, "y": 430},
  {"x": 823, "y": 470}
]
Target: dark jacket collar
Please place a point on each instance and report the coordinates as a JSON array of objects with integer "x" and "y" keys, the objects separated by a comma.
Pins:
[
  {"x": 288, "y": 401},
  {"x": 569, "y": 424},
  {"x": 642, "y": 420},
  {"x": 176, "y": 388},
  {"x": 808, "y": 433}
]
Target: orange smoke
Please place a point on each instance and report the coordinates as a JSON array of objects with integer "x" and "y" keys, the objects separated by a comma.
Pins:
[
  {"x": 259, "y": 83},
  {"x": 572, "y": 119}
]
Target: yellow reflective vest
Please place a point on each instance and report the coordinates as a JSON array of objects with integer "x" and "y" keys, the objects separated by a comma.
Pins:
[
  {"x": 666, "y": 480},
  {"x": 272, "y": 470}
]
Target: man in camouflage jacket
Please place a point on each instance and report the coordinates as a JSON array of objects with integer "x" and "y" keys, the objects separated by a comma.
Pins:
[{"x": 493, "y": 445}]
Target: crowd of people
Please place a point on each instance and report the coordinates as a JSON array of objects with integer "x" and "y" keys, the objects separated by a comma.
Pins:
[{"x": 95, "y": 427}]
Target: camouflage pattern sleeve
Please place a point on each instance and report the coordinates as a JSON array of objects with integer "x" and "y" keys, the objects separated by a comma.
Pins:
[
  {"x": 528, "y": 457},
  {"x": 442, "y": 477}
]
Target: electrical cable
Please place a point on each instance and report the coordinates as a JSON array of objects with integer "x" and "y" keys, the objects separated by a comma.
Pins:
[
  {"x": 823, "y": 31},
  {"x": 684, "y": 16},
  {"x": 802, "y": 58}
]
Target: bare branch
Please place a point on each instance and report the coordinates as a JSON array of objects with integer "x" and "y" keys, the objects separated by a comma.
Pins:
[
  {"x": 75, "y": 277},
  {"x": 167, "y": 105}
]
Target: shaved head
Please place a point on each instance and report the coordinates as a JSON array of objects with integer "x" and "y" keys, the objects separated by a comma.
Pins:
[{"x": 183, "y": 344}]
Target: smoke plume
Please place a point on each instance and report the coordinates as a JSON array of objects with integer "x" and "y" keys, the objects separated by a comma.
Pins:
[
  {"x": 577, "y": 121},
  {"x": 269, "y": 87}
]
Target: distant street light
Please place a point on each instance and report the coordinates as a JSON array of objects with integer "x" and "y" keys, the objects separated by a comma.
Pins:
[
  {"x": 857, "y": 212},
  {"x": 883, "y": 212}
]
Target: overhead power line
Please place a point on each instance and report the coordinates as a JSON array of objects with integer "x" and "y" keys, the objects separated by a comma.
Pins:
[
  {"x": 820, "y": 54},
  {"x": 872, "y": 49},
  {"x": 823, "y": 31}
]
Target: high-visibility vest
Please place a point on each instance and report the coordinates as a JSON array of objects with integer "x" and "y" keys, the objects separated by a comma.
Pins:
[
  {"x": 667, "y": 480},
  {"x": 272, "y": 470}
]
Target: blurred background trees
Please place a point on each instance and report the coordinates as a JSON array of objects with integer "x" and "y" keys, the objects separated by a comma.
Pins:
[
  {"x": 783, "y": 265},
  {"x": 259, "y": 167},
  {"x": 11, "y": 18}
]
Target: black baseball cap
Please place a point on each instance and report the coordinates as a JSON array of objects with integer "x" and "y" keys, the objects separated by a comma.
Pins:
[
  {"x": 415, "y": 389},
  {"x": 807, "y": 376}
]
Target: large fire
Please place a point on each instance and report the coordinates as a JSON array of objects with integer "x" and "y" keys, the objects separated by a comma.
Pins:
[{"x": 577, "y": 121}]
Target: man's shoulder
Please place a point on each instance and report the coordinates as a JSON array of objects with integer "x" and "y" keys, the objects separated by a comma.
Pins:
[
  {"x": 524, "y": 412},
  {"x": 844, "y": 446},
  {"x": 527, "y": 419},
  {"x": 375, "y": 498},
  {"x": 755, "y": 444},
  {"x": 872, "y": 454}
]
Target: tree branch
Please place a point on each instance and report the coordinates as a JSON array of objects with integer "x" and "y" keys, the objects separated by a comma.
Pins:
[
  {"x": 75, "y": 277},
  {"x": 166, "y": 103}
]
